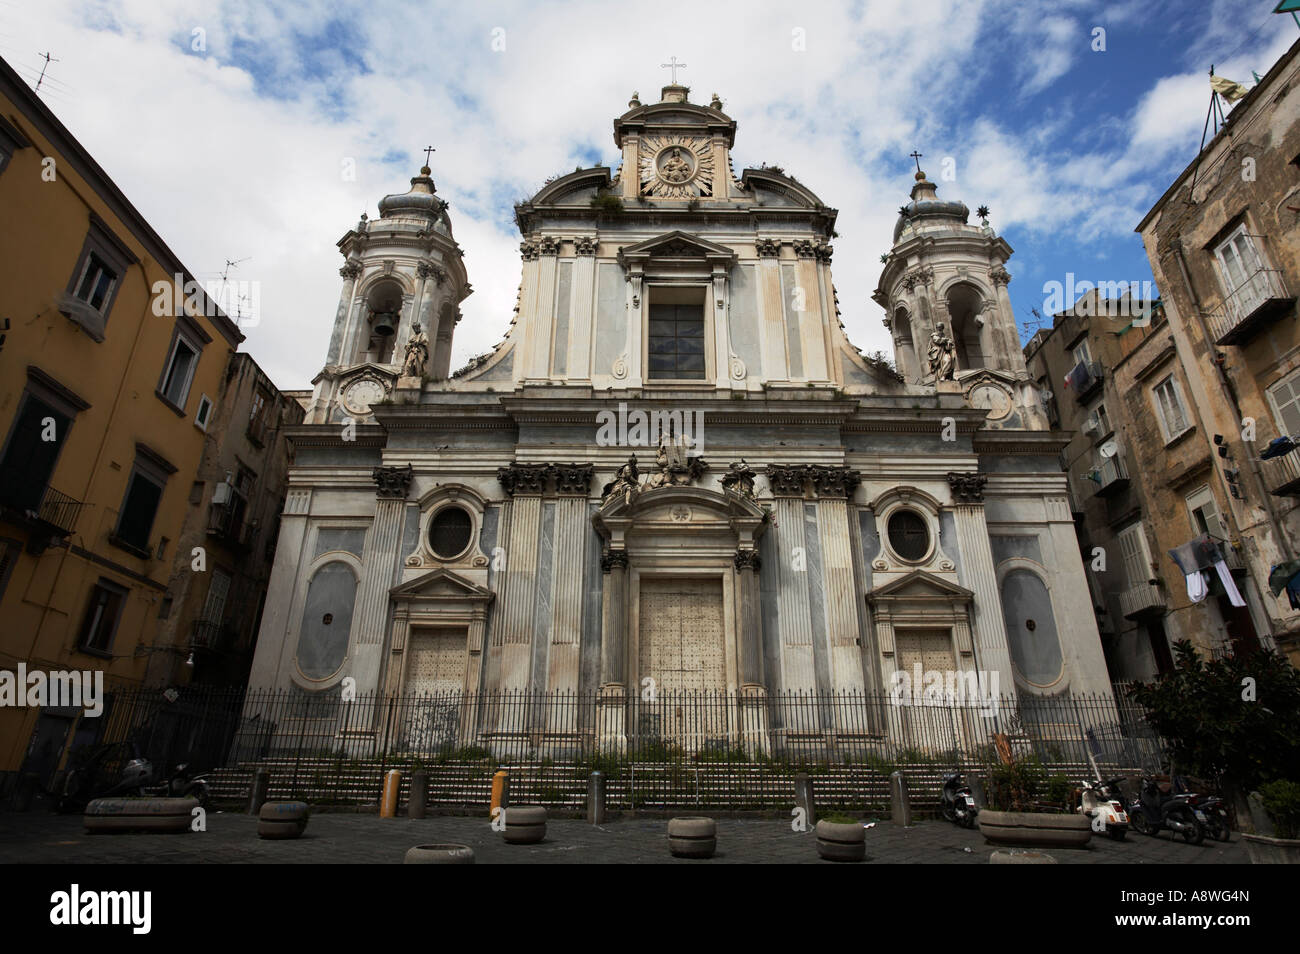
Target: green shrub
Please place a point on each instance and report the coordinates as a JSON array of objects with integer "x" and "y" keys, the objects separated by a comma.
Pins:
[
  {"x": 1282, "y": 802},
  {"x": 1059, "y": 790},
  {"x": 1015, "y": 787}
]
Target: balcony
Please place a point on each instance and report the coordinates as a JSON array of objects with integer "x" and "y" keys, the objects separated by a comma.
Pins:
[
  {"x": 59, "y": 511},
  {"x": 1084, "y": 379},
  {"x": 1112, "y": 476},
  {"x": 1145, "y": 599},
  {"x": 1257, "y": 301},
  {"x": 210, "y": 634},
  {"x": 1230, "y": 556},
  {"x": 1282, "y": 474}
]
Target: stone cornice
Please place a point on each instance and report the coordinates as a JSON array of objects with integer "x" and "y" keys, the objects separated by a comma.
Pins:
[
  {"x": 331, "y": 435},
  {"x": 1019, "y": 442},
  {"x": 535, "y": 479}
]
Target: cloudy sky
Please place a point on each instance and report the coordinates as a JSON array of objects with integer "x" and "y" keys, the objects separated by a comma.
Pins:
[{"x": 231, "y": 124}]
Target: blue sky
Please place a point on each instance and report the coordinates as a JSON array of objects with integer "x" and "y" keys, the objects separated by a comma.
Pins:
[{"x": 229, "y": 124}]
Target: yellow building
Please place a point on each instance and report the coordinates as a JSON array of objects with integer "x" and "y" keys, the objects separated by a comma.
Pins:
[{"x": 104, "y": 396}]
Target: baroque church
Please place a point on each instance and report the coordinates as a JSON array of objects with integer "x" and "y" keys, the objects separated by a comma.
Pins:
[{"x": 675, "y": 473}]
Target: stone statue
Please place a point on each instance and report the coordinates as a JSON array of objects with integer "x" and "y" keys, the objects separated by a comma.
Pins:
[
  {"x": 739, "y": 479},
  {"x": 676, "y": 467},
  {"x": 625, "y": 482},
  {"x": 675, "y": 168},
  {"x": 417, "y": 353},
  {"x": 941, "y": 354}
]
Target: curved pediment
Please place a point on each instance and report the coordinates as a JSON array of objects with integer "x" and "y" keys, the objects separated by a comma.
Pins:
[
  {"x": 578, "y": 186},
  {"x": 790, "y": 190}
]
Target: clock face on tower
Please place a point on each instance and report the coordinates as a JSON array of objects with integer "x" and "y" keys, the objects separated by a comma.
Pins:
[
  {"x": 991, "y": 398},
  {"x": 676, "y": 167},
  {"x": 359, "y": 395}
]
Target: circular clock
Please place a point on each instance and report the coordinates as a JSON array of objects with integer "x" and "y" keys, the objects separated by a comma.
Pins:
[
  {"x": 359, "y": 395},
  {"x": 991, "y": 398}
]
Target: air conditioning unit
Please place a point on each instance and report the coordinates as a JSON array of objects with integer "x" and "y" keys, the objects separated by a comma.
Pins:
[{"x": 221, "y": 494}]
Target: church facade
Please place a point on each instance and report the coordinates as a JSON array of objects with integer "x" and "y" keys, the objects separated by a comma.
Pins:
[{"x": 675, "y": 474}]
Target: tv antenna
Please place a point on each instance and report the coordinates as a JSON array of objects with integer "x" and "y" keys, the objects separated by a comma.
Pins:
[{"x": 45, "y": 66}]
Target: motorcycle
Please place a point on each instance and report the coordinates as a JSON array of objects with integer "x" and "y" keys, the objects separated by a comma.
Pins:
[
  {"x": 956, "y": 801},
  {"x": 181, "y": 784},
  {"x": 1153, "y": 811},
  {"x": 1211, "y": 809},
  {"x": 1103, "y": 802}
]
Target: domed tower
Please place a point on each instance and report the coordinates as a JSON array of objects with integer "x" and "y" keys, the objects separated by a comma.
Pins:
[
  {"x": 402, "y": 270},
  {"x": 944, "y": 291}
]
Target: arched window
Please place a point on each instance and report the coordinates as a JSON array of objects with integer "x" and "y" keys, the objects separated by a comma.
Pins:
[
  {"x": 964, "y": 309},
  {"x": 383, "y": 314},
  {"x": 1031, "y": 627},
  {"x": 326, "y": 620}
]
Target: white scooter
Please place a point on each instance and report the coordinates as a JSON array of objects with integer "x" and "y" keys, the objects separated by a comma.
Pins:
[{"x": 1104, "y": 804}]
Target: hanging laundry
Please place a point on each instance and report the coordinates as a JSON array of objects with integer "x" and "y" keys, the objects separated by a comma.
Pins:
[
  {"x": 1229, "y": 584},
  {"x": 1197, "y": 588},
  {"x": 1199, "y": 554},
  {"x": 1278, "y": 447},
  {"x": 1282, "y": 575}
]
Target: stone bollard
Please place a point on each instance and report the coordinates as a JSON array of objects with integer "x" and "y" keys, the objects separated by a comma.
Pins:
[
  {"x": 977, "y": 793},
  {"x": 392, "y": 788},
  {"x": 596, "y": 798},
  {"x": 260, "y": 788},
  {"x": 803, "y": 798},
  {"x": 500, "y": 792},
  {"x": 900, "y": 806},
  {"x": 418, "y": 800}
]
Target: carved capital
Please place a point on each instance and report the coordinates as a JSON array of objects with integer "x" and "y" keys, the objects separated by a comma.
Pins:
[
  {"x": 549, "y": 245},
  {"x": 519, "y": 478},
  {"x": 613, "y": 558},
  {"x": 747, "y": 560},
  {"x": 431, "y": 270},
  {"x": 392, "y": 482},
  {"x": 573, "y": 478},
  {"x": 999, "y": 275},
  {"x": 967, "y": 488},
  {"x": 787, "y": 480},
  {"x": 803, "y": 248},
  {"x": 824, "y": 251},
  {"x": 834, "y": 481},
  {"x": 530, "y": 250},
  {"x": 351, "y": 270},
  {"x": 584, "y": 245},
  {"x": 768, "y": 248}
]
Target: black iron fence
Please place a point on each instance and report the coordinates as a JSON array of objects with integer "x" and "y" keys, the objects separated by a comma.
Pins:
[{"x": 212, "y": 727}]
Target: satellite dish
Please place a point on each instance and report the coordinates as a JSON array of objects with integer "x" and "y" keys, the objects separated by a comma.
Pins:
[{"x": 1108, "y": 449}]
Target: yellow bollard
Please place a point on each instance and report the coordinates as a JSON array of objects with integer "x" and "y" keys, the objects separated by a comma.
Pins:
[
  {"x": 392, "y": 787},
  {"x": 500, "y": 792}
]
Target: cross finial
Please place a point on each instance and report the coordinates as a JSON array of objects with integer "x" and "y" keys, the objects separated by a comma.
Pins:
[
  {"x": 674, "y": 66},
  {"x": 917, "y": 157},
  {"x": 427, "y": 151}
]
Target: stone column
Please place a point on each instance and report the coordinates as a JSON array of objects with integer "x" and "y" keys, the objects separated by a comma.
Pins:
[
  {"x": 834, "y": 487},
  {"x": 812, "y": 329},
  {"x": 543, "y": 317},
  {"x": 798, "y": 672},
  {"x": 351, "y": 271},
  {"x": 277, "y": 641},
  {"x": 572, "y": 531},
  {"x": 510, "y": 657},
  {"x": 530, "y": 252},
  {"x": 992, "y": 654},
  {"x": 611, "y": 707},
  {"x": 370, "y": 622},
  {"x": 580, "y": 309},
  {"x": 749, "y": 617},
  {"x": 776, "y": 364}
]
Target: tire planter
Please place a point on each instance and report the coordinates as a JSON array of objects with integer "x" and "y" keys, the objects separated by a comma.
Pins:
[
  {"x": 525, "y": 824},
  {"x": 139, "y": 814},
  {"x": 841, "y": 842},
  {"x": 692, "y": 837},
  {"x": 1266, "y": 850},
  {"x": 282, "y": 819},
  {"x": 439, "y": 855},
  {"x": 1035, "y": 829},
  {"x": 1001, "y": 857}
]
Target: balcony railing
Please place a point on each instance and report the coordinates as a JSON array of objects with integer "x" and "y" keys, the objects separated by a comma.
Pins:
[
  {"x": 1262, "y": 296},
  {"x": 59, "y": 510},
  {"x": 1142, "y": 600},
  {"x": 1230, "y": 556},
  {"x": 1112, "y": 476},
  {"x": 1282, "y": 474},
  {"x": 1085, "y": 378},
  {"x": 209, "y": 634}
]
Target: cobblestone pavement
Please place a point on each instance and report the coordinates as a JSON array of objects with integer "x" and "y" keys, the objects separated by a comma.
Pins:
[{"x": 365, "y": 838}]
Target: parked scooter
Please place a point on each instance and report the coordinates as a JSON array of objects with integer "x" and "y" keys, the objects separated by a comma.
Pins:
[
  {"x": 956, "y": 801},
  {"x": 1211, "y": 810},
  {"x": 1103, "y": 802},
  {"x": 1154, "y": 810},
  {"x": 181, "y": 785}
]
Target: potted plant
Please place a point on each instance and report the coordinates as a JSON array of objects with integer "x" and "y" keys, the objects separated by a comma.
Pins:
[
  {"x": 1281, "y": 800},
  {"x": 1015, "y": 789}
]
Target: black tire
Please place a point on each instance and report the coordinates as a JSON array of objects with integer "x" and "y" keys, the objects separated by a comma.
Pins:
[
  {"x": 949, "y": 811},
  {"x": 439, "y": 855},
  {"x": 1196, "y": 834},
  {"x": 199, "y": 791},
  {"x": 1140, "y": 823},
  {"x": 279, "y": 829}
]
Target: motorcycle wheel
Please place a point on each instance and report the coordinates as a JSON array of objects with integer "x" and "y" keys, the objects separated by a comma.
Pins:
[
  {"x": 968, "y": 819},
  {"x": 1140, "y": 823},
  {"x": 197, "y": 790},
  {"x": 949, "y": 813},
  {"x": 1196, "y": 834},
  {"x": 1222, "y": 832}
]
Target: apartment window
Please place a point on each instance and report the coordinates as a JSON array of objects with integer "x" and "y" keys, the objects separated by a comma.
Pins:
[
  {"x": 1082, "y": 353},
  {"x": 103, "y": 613},
  {"x": 1134, "y": 555},
  {"x": 204, "y": 413},
  {"x": 1240, "y": 265},
  {"x": 36, "y": 438},
  {"x": 95, "y": 279},
  {"x": 1285, "y": 398},
  {"x": 1205, "y": 514},
  {"x": 257, "y": 417},
  {"x": 1171, "y": 411},
  {"x": 1103, "y": 420},
  {"x": 676, "y": 341},
  {"x": 178, "y": 373},
  {"x": 11, "y": 140},
  {"x": 144, "y": 491}
]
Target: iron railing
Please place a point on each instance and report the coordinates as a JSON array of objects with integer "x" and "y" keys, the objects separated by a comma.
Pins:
[
  {"x": 59, "y": 510},
  {"x": 1228, "y": 323}
]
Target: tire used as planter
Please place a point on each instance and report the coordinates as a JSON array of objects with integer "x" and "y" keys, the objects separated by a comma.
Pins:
[
  {"x": 692, "y": 837},
  {"x": 139, "y": 814},
  {"x": 439, "y": 855},
  {"x": 1035, "y": 829},
  {"x": 283, "y": 819},
  {"x": 841, "y": 842},
  {"x": 525, "y": 824}
]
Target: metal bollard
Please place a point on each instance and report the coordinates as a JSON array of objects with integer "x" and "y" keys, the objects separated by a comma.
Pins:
[
  {"x": 596, "y": 798},
  {"x": 803, "y": 798},
  {"x": 500, "y": 792},
  {"x": 418, "y": 800},
  {"x": 392, "y": 787},
  {"x": 900, "y": 806},
  {"x": 259, "y": 790}
]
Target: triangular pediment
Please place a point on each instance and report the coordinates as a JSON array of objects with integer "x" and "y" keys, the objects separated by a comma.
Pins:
[
  {"x": 920, "y": 585},
  {"x": 676, "y": 244},
  {"x": 441, "y": 584}
]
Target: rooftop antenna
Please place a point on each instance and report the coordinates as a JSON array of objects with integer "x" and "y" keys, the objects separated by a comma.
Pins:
[
  {"x": 225, "y": 273},
  {"x": 1033, "y": 327},
  {"x": 46, "y": 65},
  {"x": 1214, "y": 114}
]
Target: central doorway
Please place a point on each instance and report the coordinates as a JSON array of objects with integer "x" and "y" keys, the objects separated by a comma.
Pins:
[{"x": 434, "y": 685}]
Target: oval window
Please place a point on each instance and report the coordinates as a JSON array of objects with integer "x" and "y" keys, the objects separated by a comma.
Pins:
[
  {"x": 909, "y": 536},
  {"x": 1031, "y": 628},
  {"x": 326, "y": 620},
  {"x": 449, "y": 532}
]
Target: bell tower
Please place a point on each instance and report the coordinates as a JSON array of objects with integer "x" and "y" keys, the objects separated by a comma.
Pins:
[{"x": 401, "y": 271}]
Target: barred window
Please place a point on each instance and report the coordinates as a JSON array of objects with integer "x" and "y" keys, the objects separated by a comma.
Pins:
[{"x": 449, "y": 532}]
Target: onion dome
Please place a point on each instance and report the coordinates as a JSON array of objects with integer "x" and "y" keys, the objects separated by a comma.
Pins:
[
  {"x": 420, "y": 202},
  {"x": 926, "y": 207}
]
